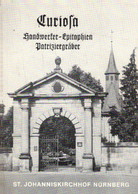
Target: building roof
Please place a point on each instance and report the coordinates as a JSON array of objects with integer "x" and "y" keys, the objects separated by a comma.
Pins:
[
  {"x": 111, "y": 69},
  {"x": 45, "y": 87},
  {"x": 113, "y": 99},
  {"x": 28, "y": 89}
]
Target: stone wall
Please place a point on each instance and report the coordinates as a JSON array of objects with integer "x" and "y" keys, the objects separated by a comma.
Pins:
[
  {"x": 120, "y": 157},
  {"x": 5, "y": 159}
]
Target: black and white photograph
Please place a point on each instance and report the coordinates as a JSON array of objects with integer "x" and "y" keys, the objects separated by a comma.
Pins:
[{"x": 68, "y": 96}]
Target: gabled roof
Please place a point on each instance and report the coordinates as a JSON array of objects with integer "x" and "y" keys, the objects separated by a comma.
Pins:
[
  {"x": 52, "y": 75},
  {"x": 111, "y": 69},
  {"x": 113, "y": 99}
]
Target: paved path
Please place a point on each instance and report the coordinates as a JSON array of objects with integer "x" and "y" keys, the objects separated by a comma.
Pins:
[{"x": 69, "y": 183}]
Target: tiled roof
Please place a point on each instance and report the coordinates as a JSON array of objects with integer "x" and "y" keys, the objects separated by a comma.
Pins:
[{"x": 111, "y": 64}]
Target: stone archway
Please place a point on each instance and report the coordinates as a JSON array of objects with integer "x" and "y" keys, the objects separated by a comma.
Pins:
[
  {"x": 79, "y": 136},
  {"x": 57, "y": 144},
  {"x": 64, "y": 113},
  {"x": 40, "y": 98}
]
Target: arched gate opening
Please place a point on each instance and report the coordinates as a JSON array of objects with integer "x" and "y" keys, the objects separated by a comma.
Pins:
[{"x": 56, "y": 143}]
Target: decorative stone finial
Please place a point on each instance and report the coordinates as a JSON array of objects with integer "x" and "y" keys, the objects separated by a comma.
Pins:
[{"x": 58, "y": 62}]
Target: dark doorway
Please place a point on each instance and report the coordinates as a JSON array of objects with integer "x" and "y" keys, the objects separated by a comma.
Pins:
[{"x": 56, "y": 143}]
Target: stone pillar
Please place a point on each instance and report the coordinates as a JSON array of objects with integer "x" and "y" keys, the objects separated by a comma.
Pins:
[
  {"x": 25, "y": 156},
  {"x": 34, "y": 145},
  {"x": 97, "y": 131},
  {"x": 88, "y": 156},
  {"x": 79, "y": 151}
]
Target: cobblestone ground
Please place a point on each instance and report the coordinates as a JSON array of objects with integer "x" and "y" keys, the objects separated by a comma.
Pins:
[{"x": 71, "y": 183}]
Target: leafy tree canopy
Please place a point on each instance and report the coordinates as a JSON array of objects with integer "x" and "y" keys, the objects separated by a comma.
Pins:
[
  {"x": 7, "y": 128},
  {"x": 85, "y": 78},
  {"x": 125, "y": 124},
  {"x": 61, "y": 128}
]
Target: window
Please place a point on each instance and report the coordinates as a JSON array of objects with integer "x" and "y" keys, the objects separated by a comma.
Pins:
[
  {"x": 116, "y": 77},
  {"x": 107, "y": 77},
  {"x": 111, "y": 78}
]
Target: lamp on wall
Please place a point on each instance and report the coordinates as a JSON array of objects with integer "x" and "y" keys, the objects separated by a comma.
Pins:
[{"x": 57, "y": 111}]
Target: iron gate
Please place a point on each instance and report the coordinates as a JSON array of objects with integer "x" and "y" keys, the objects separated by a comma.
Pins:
[{"x": 48, "y": 153}]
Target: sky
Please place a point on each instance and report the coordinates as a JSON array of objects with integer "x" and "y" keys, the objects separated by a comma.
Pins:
[{"x": 21, "y": 61}]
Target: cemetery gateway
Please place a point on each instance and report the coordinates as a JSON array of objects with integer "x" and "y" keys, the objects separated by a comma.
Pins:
[{"x": 56, "y": 96}]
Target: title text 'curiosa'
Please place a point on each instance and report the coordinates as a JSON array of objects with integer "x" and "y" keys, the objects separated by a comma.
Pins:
[{"x": 60, "y": 21}]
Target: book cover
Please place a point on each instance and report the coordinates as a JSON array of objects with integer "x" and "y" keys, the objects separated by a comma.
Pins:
[{"x": 60, "y": 68}]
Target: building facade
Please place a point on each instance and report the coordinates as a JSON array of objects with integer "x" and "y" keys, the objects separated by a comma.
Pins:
[
  {"x": 113, "y": 98},
  {"x": 56, "y": 95}
]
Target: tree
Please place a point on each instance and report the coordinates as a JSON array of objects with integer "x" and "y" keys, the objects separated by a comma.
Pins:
[
  {"x": 124, "y": 124},
  {"x": 8, "y": 128},
  {"x": 85, "y": 78},
  {"x": 61, "y": 128}
]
